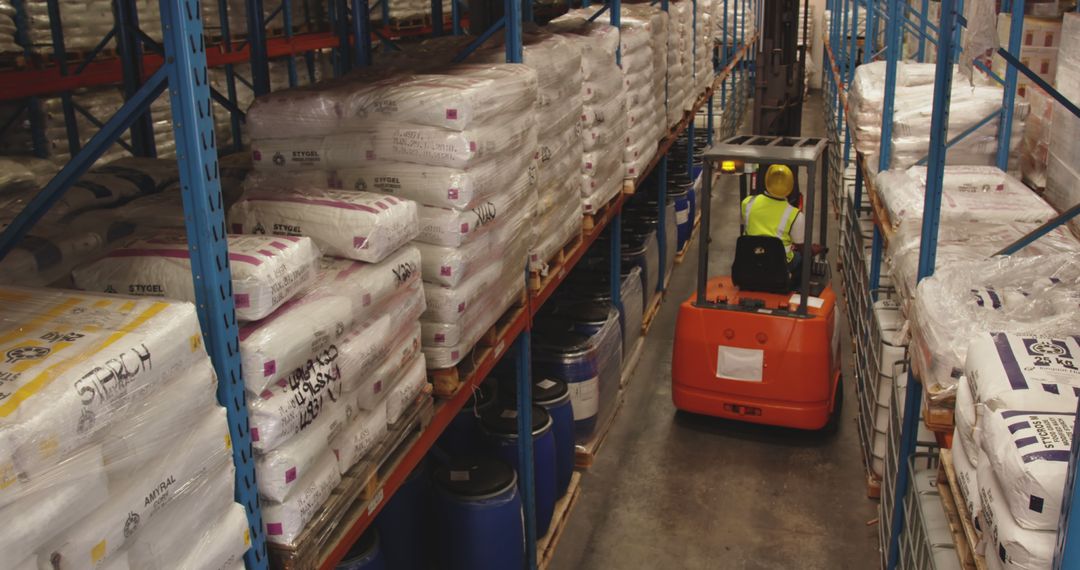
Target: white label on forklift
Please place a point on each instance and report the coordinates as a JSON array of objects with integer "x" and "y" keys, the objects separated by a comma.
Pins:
[
  {"x": 811, "y": 301},
  {"x": 742, "y": 364},
  {"x": 585, "y": 398}
]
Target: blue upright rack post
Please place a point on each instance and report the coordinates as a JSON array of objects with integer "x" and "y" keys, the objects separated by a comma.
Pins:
[
  {"x": 130, "y": 53},
  {"x": 1008, "y": 105},
  {"x": 939, "y": 123},
  {"x": 256, "y": 40},
  {"x": 204, "y": 218}
]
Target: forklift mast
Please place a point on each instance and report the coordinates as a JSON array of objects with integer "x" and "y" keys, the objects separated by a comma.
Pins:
[{"x": 780, "y": 69}]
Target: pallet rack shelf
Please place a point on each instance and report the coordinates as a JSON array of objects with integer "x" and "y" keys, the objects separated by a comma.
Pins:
[{"x": 849, "y": 45}]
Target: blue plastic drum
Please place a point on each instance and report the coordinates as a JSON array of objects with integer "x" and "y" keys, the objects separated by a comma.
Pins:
[
  {"x": 462, "y": 436},
  {"x": 404, "y": 518},
  {"x": 571, "y": 357},
  {"x": 478, "y": 516},
  {"x": 500, "y": 426},
  {"x": 553, "y": 395},
  {"x": 365, "y": 554},
  {"x": 683, "y": 224}
]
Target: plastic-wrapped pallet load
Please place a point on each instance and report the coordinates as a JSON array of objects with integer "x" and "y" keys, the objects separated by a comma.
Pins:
[
  {"x": 1014, "y": 295},
  {"x": 267, "y": 271},
  {"x": 1035, "y": 144},
  {"x": 603, "y": 117},
  {"x": 972, "y": 194},
  {"x": 703, "y": 53},
  {"x": 643, "y": 35},
  {"x": 965, "y": 243},
  {"x": 97, "y": 439},
  {"x": 557, "y": 62},
  {"x": 967, "y": 479},
  {"x": 911, "y": 122},
  {"x": 461, "y": 142},
  {"x": 1062, "y": 172},
  {"x": 680, "y": 65}
]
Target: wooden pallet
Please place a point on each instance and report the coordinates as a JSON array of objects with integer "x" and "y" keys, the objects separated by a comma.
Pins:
[
  {"x": 447, "y": 381},
  {"x": 555, "y": 266},
  {"x": 629, "y": 185},
  {"x": 585, "y": 454},
  {"x": 873, "y": 486},
  {"x": 956, "y": 512},
  {"x": 630, "y": 362},
  {"x": 938, "y": 416},
  {"x": 13, "y": 61},
  {"x": 411, "y": 23},
  {"x": 545, "y": 546},
  {"x": 589, "y": 220},
  {"x": 359, "y": 490},
  {"x": 651, "y": 312}
]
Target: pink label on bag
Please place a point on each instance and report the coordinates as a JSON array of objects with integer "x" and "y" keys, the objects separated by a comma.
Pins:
[
  {"x": 274, "y": 529},
  {"x": 266, "y": 252},
  {"x": 453, "y": 355},
  {"x": 256, "y": 155},
  {"x": 465, "y": 228},
  {"x": 472, "y": 146},
  {"x": 290, "y": 475},
  {"x": 378, "y": 386},
  {"x": 269, "y": 367},
  {"x": 254, "y": 434},
  {"x": 445, "y": 271},
  {"x": 452, "y": 194},
  {"x": 266, "y": 394},
  {"x": 359, "y": 242},
  {"x": 367, "y": 299},
  {"x": 440, "y": 337},
  {"x": 242, "y": 300},
  {"x": 451, "y": 114},
  {"x": 461, "y": 307}
]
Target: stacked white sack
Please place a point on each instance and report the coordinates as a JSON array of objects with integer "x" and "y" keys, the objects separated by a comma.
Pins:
[
  {"x": 639, "y": 42},
  {"x": 96, "y": 437},
  {"x": 703, "y": 53},
  {"x": 912, "y": 110},
  {"x": 460, "y": 142},
  {"x": 267, "y": 271},
  {"x": 680, "y": 63},
  {"x": 603, "y": 114},
  {"x": 1062, "y": 170},
  {"x": 557, "y": 217},
  {"x": 1033, "y": 295},
  {"x": 1035, "y": 144},
  {"x": 970, "y": 194},
  {"x": 967, "y": 242}
]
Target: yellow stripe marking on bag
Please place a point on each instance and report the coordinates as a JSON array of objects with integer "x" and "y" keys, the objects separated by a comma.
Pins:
[{"x": 51, "y": 373}]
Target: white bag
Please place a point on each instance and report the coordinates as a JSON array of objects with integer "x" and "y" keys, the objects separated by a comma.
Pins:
[
  {"x": 1015, "y": 547},
  {"x": 285, "y": 521},
  {"x": 267, "y": 271},
  {"x": 368, "y": 429},
  {"x": 355, "y": 225}
]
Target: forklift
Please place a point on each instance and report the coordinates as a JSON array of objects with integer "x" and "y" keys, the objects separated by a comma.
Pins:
[{"x": 760, "y": 345}]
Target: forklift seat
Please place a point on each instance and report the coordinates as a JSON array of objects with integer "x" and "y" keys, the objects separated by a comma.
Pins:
[{"x": 761, "y": 265}]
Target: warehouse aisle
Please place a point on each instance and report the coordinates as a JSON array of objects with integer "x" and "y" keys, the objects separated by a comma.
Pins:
[{"x": 677, "y": 491}]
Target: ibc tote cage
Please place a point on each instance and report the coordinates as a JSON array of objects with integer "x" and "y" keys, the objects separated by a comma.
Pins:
[
  {"x": 145, "y": 68},
  {"x": 879, "y": 37}
]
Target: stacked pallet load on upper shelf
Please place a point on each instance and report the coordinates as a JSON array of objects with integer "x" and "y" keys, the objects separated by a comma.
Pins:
[
  {"x": 680, "y": 63},
  {"x": 111, "y": 436},
  {"x": 703, "y": 49},
  {"x": 558, "y": 214},
  {"x": 644, "y": 62},
  {"x": 101, "y": 209},
  {"x": 460, "y": 142},
  {"x": 1015, "y": 414},
  {"x": 603, "y": 112},
  {"x": 970, "y": 105},
  {"x": 1062, "y": 170}
]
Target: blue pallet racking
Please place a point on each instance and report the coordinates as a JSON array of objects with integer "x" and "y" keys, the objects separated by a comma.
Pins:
[
  {"x": 145, "y": 68},
  {"x": 843, "y": 55}
]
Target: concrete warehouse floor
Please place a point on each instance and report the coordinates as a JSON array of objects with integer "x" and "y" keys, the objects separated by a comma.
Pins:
[{"x": 676, "y": 491}]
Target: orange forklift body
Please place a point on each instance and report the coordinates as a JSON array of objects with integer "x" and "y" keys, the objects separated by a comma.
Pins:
[{"x": 764, "y": 365}]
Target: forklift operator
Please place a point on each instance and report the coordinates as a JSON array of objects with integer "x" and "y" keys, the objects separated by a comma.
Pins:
[{"x": 770, "y": 214}]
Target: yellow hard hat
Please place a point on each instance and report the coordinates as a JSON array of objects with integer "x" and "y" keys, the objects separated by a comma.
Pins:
[{"x": 779, "y": 182}]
